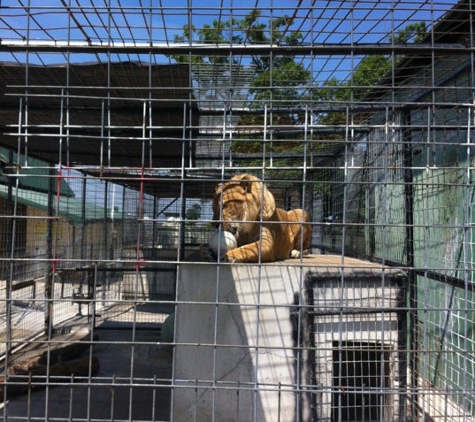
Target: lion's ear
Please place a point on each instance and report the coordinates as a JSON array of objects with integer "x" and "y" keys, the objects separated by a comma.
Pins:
[
  {"x": 246, "y": 181},
  {"x": 218, "y": 189}
]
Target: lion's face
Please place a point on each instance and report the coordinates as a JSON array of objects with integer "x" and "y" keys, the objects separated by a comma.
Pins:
[
  {"x": 231, "y": 209},
  {"x": 237, "y": 206}
]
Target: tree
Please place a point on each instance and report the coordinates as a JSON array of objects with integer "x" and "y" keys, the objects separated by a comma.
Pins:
[
  {"x": 277, "y": 79},
  {"x": 367, "y": 74},
  {"x": 414, "y": 32},
  {"x": 194, "y": 212},
  {"x": 282, "y": 80},
  {"x": 373, "y": 68}
]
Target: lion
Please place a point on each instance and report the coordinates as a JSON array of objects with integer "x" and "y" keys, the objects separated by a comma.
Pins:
[{"x": 241, "y": 204}]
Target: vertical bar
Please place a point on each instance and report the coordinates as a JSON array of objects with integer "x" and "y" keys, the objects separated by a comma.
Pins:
[
  {"x": 410, "y": 298},
  {"x": 11, "y": 206},
  {"x": 49, "y": 256},
  {"x": 181, "y": 231}
]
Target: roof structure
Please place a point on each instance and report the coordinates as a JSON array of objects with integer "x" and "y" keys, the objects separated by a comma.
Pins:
[
  {"x": 94, "y": 114},
  {"x": 116, "y": 105},
  {"x": 36, "y": 176},
  {"x": 75, "y": 211}
]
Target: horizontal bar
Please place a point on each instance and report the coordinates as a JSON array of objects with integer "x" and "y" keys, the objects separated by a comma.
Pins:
[{"x": 225, "y": 49}]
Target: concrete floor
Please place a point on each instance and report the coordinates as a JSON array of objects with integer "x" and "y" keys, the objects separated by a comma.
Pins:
[{"x": 112, "y": 394}]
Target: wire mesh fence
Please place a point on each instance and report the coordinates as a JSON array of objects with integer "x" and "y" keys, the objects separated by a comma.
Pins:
[{"x": 329, "y": 143}]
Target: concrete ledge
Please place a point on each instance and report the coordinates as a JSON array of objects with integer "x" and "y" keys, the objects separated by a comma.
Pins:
[{"x": 234, "y": 357}]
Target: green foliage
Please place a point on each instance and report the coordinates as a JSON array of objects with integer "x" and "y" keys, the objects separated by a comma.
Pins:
[
  {"x": 216, "y": 33},
  {"x": 277, "y": 78},
  {"x": 414, "y": 32},
  {"x": 282, "y": 79},
  {"x": 367, "y": 74},
  {"x": 194, "y": 212},
  {"x": 372, "y": 68},
  {"x": 287, "y": 76}
]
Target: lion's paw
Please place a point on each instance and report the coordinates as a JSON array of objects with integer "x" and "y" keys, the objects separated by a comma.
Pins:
[
  {"x": 210, "y": 256},
  {"x": 295, "y": 253},
  {"x": 227, "y": 258}
]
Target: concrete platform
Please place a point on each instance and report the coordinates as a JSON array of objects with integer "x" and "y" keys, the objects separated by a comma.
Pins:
[{"x": 236, "y": 354}]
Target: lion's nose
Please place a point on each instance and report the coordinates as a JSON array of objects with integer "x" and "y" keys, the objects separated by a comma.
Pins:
[{"x": 232, "y": 230}]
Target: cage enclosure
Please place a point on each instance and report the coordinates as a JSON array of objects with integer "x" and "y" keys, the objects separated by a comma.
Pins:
[{"x": 331, "y": 141}]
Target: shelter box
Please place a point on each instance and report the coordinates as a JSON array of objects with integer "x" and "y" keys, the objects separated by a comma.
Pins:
[{"x": 355, "y": 333}]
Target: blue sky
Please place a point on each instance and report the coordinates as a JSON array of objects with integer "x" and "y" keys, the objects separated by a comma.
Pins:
[
  {"x": 331, "y": 21},
  {"x": 130, "y": 21}
]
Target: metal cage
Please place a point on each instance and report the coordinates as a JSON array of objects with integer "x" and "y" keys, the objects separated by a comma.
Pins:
[{"x": 121, "y": 124}]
